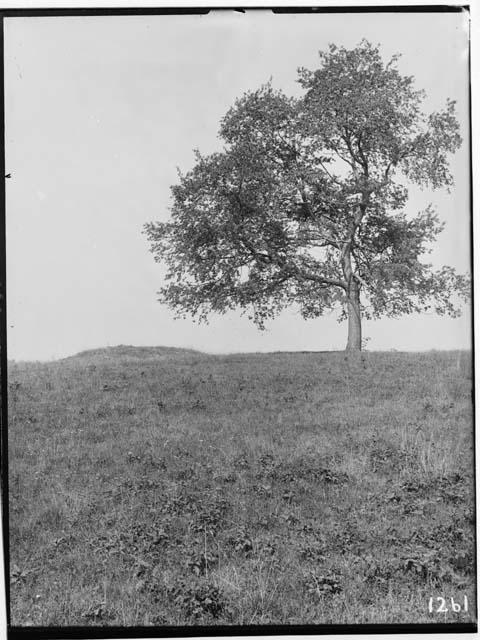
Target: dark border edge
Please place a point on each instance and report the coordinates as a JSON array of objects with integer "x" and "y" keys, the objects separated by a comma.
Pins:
[
  {"x": 132, "y": 11},
  {"x": 54, "y": 633},
  {"x": 3, "y": 338}
]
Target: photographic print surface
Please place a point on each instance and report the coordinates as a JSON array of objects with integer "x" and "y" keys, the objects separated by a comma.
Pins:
[{"x": 239, "y": 324}]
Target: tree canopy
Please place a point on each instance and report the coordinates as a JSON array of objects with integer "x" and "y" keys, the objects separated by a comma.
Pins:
[{"x": 305, "y": 203}]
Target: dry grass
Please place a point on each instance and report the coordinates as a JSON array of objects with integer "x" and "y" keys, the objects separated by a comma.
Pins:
[{"x": 160, "y": 486}]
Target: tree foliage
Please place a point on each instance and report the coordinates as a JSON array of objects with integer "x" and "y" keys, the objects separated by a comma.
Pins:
[{"x": 305, "y": 203}]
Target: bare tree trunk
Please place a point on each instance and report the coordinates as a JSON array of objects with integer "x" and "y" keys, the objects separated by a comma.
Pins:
[{"x": 354, "y": 342}]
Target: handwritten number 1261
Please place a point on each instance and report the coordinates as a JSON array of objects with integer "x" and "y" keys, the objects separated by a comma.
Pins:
[{"x": 443, "y": 608}]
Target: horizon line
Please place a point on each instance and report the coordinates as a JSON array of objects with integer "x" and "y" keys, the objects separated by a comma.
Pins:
[{"x": 193, "y": 351}]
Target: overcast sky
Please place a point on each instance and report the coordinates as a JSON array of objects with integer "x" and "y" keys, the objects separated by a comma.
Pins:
[{"x": 100, "y": 111}]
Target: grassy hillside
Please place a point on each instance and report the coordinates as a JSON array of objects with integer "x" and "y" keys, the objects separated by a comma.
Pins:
[{"x": 161, "y": 486}]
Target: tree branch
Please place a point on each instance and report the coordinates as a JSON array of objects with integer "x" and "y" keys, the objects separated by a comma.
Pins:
[{"x": 321, "y": 279}]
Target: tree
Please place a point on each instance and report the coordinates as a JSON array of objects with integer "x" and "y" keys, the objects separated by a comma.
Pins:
[{"x": 305, "y": 203}]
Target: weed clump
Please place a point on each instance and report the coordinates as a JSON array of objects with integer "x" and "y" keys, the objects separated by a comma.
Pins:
[
  {"x": 198, "y": 600},
  {"x": 319, "y": 585},
  {"x": 241, "y": 542}
]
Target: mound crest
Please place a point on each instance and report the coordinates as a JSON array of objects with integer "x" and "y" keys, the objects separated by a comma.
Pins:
[{"x": 128, "y": 352}]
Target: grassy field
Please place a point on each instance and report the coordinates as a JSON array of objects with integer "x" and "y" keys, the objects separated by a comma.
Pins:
[{"x": 154, "y": 486}]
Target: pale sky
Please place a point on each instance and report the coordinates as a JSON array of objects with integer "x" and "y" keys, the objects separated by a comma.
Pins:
[{"x": 100, "y": 111}]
